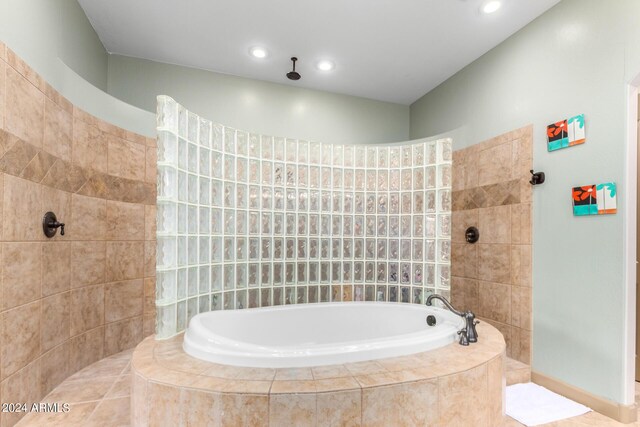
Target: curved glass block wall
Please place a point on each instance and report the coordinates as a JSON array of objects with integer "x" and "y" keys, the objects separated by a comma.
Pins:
[{"x": 248, "y": 220}]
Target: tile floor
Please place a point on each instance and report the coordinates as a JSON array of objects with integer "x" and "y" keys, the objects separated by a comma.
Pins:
[{"x": 99, "y": 396}]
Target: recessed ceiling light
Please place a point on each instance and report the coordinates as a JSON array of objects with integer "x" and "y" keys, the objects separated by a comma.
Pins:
[
  {"x": 258, "y": 52},
  {"x": 491, "y": 6},
  {"x": 325, "y": 65}
]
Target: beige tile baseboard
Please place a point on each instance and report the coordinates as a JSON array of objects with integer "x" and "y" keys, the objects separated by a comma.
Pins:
[{"x": 623, "y": 413}]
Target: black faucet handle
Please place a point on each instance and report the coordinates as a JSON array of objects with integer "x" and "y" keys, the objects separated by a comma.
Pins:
[
  {"x": 61, "y": 228},
  {"x": 464, "y": 340}
]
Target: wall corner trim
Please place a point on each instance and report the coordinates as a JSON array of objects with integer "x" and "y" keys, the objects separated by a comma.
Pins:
[{"x": 623, "y": 413}]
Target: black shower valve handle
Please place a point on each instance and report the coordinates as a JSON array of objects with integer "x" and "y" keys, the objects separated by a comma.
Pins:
[
  {"x": 56, "y": 224},
  {"x": 50, "y": 225}
]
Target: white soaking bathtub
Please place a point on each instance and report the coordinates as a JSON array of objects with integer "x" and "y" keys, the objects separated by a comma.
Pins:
[{"x": 317, "y": 334}]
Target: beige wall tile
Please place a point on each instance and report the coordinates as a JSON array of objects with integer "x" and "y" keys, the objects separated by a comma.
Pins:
[
  {"x": 521, "y": 265},
  {"x": 56, "y": 267},
  {"x": 88, "y": 263},
  {"x": 87, "y": 309},
  {"x": 521, "y": 224},
  {"x": 54, "y": 321},
  {"x": 494, "y": 165},
  {"x": 89, "y": 147},
  {"x": 20, "y": 338},
  {"x": 457, "y": 293},
  {"x": 494, "y": 263},
  {"x": 37, "y": 278},
  {"x": 149, "y": 258},
  {"x": 471, "y": 167},
  {"x": 457, "y": 259},
  {"x": 409, "y": 404},
  {"x": 21, "y": 280},
  {"x": 38, "y": 167},
  {"x": 495, "y": 301},
  {"x": 15, "y": 62},
  {"x": 24, "y": 386},
  {"x": 470, "y": 254},
  {"x": 54, "y": 367},
  {"x": 521, "y": 307},
  {"x": 86, "y": 348},
  {"x": 25, "y": 118},
  {"x": 522, "y": 157},
  {"x": 3, "y": 92},
  {"x": 495, "y": 224},
  {"x": 149, "y": 324},
  {"x": 88, "y": 218},
  {"x": 200, "y": 408},
  {"x": 122, "y": 335},
  {"x": 496, "y": 389},
  {"x": 126, "y": 159},
  {"x": 125, "y": 260},
  {"x": 139, "y": 406},
  {"x": 457, "y": 182},
  {"x": 521, "y": 345},
  {"x": 19, "y": 160},
  {"x": 125, "y": 221},
  {"x": 459, "y": 392},
  {"x": 340, "y": 409},
  {"x": 166, "y": 410},
  {"x": 123, "y": 300},
  {"x": 58, "y": 130},
  {"x": 22, "y": 210},
  {"x": 150, "y": 222},
  {"x": 149, "y": 295},
  {"x": 466, "y": 294},
  {"x": 504, "y": 329},
  {"x": 292, "y": 410},
  {"x": 151, "y": 162}
]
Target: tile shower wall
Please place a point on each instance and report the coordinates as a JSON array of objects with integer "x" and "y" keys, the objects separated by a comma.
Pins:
[
  {"x": 491, "y": 191},
  {"x": 74, "y": 299},
  {"x": 249, "y": 220}
]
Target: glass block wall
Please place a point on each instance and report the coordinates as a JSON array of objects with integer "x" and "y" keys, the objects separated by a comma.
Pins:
[{"x": 248, "y": 220}]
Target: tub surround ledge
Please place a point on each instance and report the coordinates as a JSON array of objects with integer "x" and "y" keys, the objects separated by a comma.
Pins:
[{"x": 428, "y": 388}]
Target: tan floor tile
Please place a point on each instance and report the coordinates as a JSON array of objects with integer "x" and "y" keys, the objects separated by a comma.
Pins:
[
  {"x": 81, "y": 391},
  {"x": 77, "y": 416},
  {"x": 121, "y": 388},
  {"x": 112, "y": 413},
  {"x": 104, "y": 368}
]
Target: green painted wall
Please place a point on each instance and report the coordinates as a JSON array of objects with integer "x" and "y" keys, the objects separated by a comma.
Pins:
[
  {"x": 41, "y": 29},
  {"x": 576, "y": 58},
  {"x": 257, "y": 106},
  {"x": 56, "y": 39}
]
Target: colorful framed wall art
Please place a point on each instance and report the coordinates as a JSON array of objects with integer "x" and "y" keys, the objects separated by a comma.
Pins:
[
  {"x": 594, "y": 199},
  {"x": 566, "y": 133}
]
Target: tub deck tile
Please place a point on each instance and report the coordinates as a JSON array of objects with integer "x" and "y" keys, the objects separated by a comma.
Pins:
[
  {"x": 330, "y": 371},
  {"x": 365, "y": 368},
  {"x": 294, "y": 374},
  {"x": 337, "y": 384},
  {"x": 288, "y": 387}
]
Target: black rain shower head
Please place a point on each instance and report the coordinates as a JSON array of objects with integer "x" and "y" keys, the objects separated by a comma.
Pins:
[{"x": 293, "y": 75}]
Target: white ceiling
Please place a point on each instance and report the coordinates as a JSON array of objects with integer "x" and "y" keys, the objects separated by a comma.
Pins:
[{"x": 388, "y": 50}]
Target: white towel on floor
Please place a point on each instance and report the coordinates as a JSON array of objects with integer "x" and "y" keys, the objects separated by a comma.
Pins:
[{"x": 533, "y": 405}]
